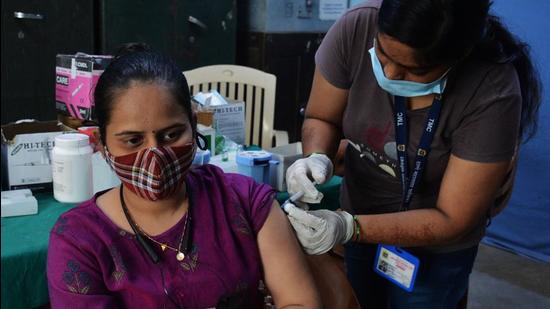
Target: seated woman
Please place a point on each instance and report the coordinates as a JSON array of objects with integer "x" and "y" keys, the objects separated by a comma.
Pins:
[{"x": 170, "y": 236}]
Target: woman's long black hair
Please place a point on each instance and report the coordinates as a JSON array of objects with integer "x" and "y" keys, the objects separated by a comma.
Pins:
[{"x": 445, "y": 31}]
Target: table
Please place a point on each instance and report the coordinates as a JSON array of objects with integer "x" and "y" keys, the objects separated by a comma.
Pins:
[
  {"x": 25, "y": 246},
  {"x": 24, "y": 251}
]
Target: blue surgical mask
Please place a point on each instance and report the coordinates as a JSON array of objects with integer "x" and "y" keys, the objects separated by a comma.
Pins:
[{"x": 405, "y": 88}]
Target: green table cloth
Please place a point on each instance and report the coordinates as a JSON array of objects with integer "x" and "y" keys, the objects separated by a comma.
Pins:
[
  {"x": 25, "y": 247},
  {"x": 24, "y": 251},
  {"x": 330, "y": 190}
]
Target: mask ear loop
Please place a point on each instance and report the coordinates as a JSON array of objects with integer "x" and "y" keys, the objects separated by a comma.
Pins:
[
  {"x": 107, "y": 156},
  {"x": 201, "y": 138}
]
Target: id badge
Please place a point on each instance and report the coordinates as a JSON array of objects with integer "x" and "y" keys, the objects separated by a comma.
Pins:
[{"x": 396, "y": 265}]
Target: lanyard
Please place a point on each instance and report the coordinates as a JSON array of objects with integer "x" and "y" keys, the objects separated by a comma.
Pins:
[{"x": 401, "y": 138}]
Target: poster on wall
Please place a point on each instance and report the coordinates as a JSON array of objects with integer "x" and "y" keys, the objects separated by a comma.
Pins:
[{"x": 332, "y": 9}]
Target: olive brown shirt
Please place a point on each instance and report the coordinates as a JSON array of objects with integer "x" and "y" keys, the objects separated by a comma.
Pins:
[{"x": 479, "y": 121}]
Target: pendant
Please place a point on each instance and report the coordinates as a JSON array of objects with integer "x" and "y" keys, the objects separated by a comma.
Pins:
[
  {"x": 163, "y": 247},
  {"x": 180, "y": 256}
]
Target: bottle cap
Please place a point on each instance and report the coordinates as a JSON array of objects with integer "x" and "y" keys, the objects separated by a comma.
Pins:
[{"x": 72, "y": 140}]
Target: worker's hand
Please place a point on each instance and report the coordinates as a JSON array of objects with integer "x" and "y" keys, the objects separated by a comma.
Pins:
[
  {"x": 302, "y": 173},
  {"x": 319, "y": 230}
]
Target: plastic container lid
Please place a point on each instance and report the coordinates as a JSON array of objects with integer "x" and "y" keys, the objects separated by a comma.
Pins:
[
  {"x": 72, "y": 140},
  {"x": 252, "y": 158}
]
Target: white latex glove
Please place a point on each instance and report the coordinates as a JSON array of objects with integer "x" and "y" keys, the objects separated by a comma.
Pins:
[
  {"x": 302, "y": 174},
  {"x": 319, "y": 230}
]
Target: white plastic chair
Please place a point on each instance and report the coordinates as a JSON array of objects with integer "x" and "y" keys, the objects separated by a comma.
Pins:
[{"x": 254, "y": 87}]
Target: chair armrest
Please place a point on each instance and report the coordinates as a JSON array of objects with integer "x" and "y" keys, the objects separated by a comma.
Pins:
[{"x": 281, "y": 137}]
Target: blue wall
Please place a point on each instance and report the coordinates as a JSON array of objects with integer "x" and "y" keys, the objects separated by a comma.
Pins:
[{"x": 524, "y": 227}]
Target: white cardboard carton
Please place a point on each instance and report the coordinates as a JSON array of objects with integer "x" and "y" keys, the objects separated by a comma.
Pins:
[
  {"x": 18, "y": 203},
  {"x": 26, "y": 151},
  {"x": 229, "y": 121},
  {"x": 229, "y": 115}
]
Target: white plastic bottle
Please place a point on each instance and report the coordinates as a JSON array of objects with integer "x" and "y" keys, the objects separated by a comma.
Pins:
[{"x": 72, "y": 168}]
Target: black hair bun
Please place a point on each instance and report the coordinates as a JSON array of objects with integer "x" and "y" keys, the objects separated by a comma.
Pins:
[{"x": 130, "y": 48}]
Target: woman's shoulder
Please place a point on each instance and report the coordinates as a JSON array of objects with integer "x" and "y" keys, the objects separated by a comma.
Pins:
[
  {"x": 212, "y": 175},
  {"x": 485, "y": 72},
  {"x": 240, "y": 189},
  {"x": 504, "y": 78},
  {"x": 80, "y": 219},
  {"x": 478, "y": 83}
]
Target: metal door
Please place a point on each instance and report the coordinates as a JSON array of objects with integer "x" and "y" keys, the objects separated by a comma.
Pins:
[
  {"x": 33, "y": 32},
  {"x": 193, "y": 32}
]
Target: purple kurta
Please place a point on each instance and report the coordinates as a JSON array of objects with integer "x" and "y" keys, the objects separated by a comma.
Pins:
[{"x": 93, "y": 263}]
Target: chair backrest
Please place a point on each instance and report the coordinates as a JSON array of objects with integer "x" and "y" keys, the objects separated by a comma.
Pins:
[{"x": 254, "y": 87}]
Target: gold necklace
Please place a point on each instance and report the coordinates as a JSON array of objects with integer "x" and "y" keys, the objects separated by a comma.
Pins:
[
  {"x": 181, "y": 251},
  {"x": 180, "y": 255}
]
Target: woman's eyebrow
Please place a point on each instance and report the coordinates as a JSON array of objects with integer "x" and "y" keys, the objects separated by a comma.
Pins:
[
  {"x": 129, "y": 132},
  {"x": 414, "y": 68},
  {"x": 176, "y": 125}
]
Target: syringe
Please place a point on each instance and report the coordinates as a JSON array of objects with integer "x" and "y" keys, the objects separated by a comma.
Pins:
[{"x": 292, "y": 199}]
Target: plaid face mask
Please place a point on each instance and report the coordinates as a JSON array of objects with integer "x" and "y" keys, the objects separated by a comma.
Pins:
[{"x": 153, "y": 173}]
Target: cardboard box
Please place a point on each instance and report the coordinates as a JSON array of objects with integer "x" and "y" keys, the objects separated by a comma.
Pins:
[
  {"x": 18, "y": 203},
  {"x": 75, "y": 80},
  {"x": 229, "y": 121},
  {"x": 26, "y": 154},
  {"x": 226, "y": 116},
  {"x": 205, "y": 117}
]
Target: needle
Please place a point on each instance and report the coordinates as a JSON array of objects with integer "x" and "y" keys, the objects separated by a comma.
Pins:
[{"x": 292, "y": 199}]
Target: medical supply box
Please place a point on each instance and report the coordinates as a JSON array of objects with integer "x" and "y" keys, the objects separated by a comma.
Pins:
[
  {"x": 75, "y": 80},
  {"x": 26, "y": 154},
  {"x": 18, "y": 203},
  {"x": 226, "y": 116}
]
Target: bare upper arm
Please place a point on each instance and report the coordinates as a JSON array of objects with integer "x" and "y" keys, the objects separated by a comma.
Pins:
[
  {"x": 326, "y": 102},
  {"x": 468, "y": 190},
  {"x": 322, "y": 127},
  {"x": 287, "y": 274}
]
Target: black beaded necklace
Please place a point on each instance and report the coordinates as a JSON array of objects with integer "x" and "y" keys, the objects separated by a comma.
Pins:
[{"x": 145, "y": 240}]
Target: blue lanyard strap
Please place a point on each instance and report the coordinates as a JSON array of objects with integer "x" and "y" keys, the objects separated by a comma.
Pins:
[{"x": 409, "y": 185}]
